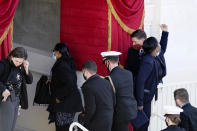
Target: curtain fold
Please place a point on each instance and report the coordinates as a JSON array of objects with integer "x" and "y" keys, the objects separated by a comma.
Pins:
[
  {"x": 127, "y": 16},
  {"x": 89, "y": 27},
  {"x": 7, "y": 11},
  {"x": 84, "y": 29}
]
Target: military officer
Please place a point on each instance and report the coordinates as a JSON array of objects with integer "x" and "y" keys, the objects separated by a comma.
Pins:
[{"x": 126, "y": 106}]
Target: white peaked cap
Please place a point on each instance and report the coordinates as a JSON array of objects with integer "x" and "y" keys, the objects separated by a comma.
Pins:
[
  {"x": 110, "y": 53},
  {"x": 172, "y": 110}
]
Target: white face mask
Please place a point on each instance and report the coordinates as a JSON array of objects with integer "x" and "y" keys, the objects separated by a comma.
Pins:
[
  {"x": 157, "y": 53},
  {"x": 53, "y": 56}
]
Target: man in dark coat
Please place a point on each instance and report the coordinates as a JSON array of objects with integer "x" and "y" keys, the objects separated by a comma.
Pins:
[
  {"x": 135, "y": 52},
  {"x": 99, "y": 99},
  {"x": 126, "y": 106},
  {"x": 189, "y": 115}
]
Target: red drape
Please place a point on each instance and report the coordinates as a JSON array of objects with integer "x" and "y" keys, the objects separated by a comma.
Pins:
[
  {"x": 84, "y": 25},
  {"x": 7, "y": 10},
  {"x": 87, "y": 28},
  {"x": 131, "y": 14},
  {"x": 5, "y": 47}
]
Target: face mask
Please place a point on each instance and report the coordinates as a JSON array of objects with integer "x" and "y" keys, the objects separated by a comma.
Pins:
[
  {"x": 166, "y": 122},
  {"x": 84, "y": 77},
  {"x": 157, "y": 54},
  {"x": 53, "y": 56},
  {"x": 107, "y": 65},
  {"x": 137, "y": 47}
]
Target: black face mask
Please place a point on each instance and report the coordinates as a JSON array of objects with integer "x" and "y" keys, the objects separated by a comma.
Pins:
[
  {"x": 166, "y": 123},
  {"x": 107, "y": 66},
  {"x": 84, "y": 77}
]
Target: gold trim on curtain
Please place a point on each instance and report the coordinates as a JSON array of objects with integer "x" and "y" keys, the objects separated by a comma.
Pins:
[
  {"x": 111, "y": 11},
  {"x": 6, "y": 32},
  {"x": 142, "y": 21},
  {"x": 11, "y": 28},
  {"x": 109, "y": 29},
  {"x": 120, "y": 22}
]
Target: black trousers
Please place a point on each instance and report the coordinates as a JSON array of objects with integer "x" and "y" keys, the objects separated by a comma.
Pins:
[
  {"x": 62, "y": 128},
  {"x": 123, "y": 126}
]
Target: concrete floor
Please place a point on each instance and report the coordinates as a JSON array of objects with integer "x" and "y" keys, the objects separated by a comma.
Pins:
[{"x": 22, "y": 129}]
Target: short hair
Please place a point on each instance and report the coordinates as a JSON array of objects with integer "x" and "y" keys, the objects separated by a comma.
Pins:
[
  {"x": 139, "y": 34},
  {"x": 113, "y": 59},
  {"x": 90, "y": 66},
  {"x": 181, "y": 94},
  {"x": 175, "y": 118},
  {"x": 150, "y": 44}
]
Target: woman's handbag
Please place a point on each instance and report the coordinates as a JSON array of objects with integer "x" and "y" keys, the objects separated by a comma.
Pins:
[{"x": 42, "y": 95}]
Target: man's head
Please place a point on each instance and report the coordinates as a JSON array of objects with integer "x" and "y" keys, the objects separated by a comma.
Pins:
[
  {"x": 89, "y": 69},
  {"x": 110, "y": 59},
  {"x": 138, "y": 38},
  {"x": 181, "y": 96}
]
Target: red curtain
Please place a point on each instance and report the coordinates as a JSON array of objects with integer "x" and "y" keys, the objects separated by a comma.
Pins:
[
  {"x": 83, "y": 28},
  {"x": 7, "y": 10},
  {"x": 131, "y": 13},
  {"x": 5, "y": 47},
  {"x": 89, "y": 27}
]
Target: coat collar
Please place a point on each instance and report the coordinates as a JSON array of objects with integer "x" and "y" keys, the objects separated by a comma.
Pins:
[
  {"x": 115, "y": 68},
  {"x": 90, "y": 79},
  {"x": 187, "y": 104},
  {"x": 172, "y": 127},
  {"x": 57, "y": 62}
]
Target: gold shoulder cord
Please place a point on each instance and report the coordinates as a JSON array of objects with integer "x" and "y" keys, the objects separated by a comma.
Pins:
[{"x": 112, "y": 84}]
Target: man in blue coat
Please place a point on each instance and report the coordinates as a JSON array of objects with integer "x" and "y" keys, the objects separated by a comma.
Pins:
[{"x": 126, "y": 107}]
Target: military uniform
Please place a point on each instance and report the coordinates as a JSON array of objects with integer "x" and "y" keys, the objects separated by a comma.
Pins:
[{"x": 126, "y": 106}]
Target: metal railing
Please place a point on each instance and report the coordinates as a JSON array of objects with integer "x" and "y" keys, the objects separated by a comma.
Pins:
[{"x": 75, "y": 124}]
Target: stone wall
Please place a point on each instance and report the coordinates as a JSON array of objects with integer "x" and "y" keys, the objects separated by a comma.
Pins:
[{"x": 37, "y": 23}]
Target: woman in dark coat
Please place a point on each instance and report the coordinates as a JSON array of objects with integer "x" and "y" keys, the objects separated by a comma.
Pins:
[
  {"x": 66, "y": 99},
  {"x": 147, "y": 78},
  {"x": 14, "y": 75}
]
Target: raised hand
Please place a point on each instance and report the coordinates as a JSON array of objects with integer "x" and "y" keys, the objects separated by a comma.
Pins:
[{"x": 164, "y": 27}]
